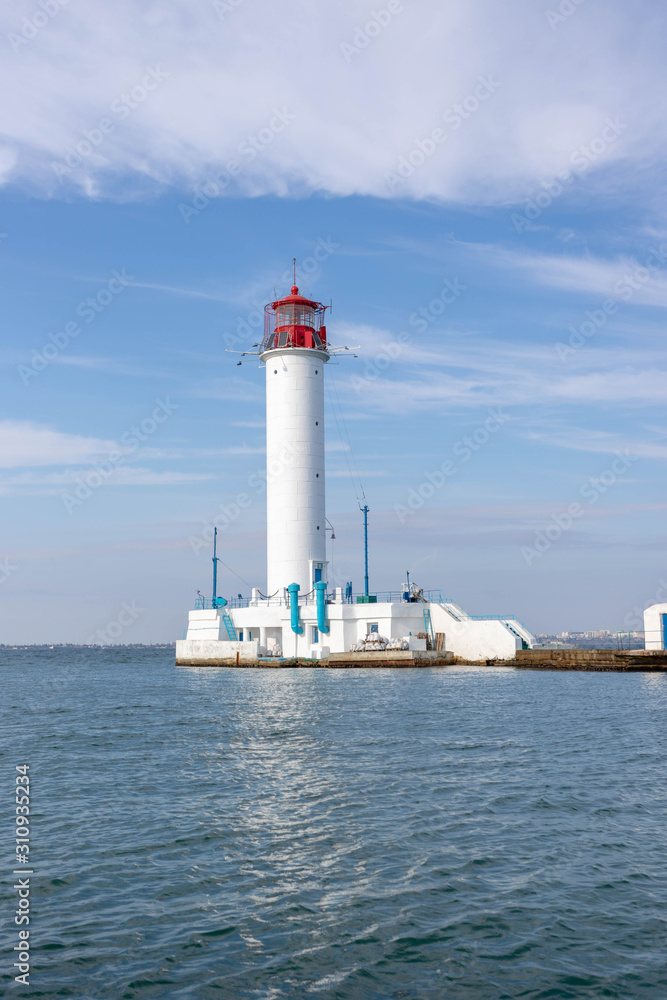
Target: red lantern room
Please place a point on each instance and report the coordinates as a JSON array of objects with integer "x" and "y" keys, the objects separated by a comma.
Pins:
[{"x": 294, "y": 322}]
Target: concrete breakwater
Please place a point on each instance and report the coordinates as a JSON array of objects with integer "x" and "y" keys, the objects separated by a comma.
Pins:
[
  {"x": 526, "y": 659},
  {"x": 590, "y": 659},
  {"x": 388, "y": 658}
]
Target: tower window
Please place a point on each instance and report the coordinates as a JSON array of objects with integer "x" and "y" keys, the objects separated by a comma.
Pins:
[
  {"x": 317, "y": 423},
  {"x": 314, "y": 634},
  {"x": 275, "y": 371}
]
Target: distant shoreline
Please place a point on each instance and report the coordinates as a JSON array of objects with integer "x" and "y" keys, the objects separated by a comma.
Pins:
[{"x": 83, "y": 645}]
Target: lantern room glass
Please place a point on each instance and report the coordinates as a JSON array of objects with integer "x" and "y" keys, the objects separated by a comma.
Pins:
[{"x": 295, "y": 314}]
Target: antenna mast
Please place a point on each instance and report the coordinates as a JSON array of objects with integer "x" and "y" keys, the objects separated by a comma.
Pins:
[
  {"x": 364, "y": 511},
  {"x": 215, "y": 566}
]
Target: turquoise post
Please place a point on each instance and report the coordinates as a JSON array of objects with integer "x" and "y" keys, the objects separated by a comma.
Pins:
[
  {"x": 294, "y": 589},
  {"x": 320, "y": 591}
]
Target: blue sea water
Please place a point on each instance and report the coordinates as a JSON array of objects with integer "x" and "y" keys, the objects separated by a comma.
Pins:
[{"x": 457, "y": 833}]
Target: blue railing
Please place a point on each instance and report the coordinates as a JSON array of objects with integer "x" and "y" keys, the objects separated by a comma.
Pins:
[
  {"x": 207, "y": 603},
  {"x": 497, "y": 618},
  {"x": 382, "y": 597},
  {"x": 399, "y": 596}
]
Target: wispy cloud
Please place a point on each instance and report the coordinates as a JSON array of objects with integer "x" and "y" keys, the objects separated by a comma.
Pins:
[
  {"x": 191, "y": 293},
  {"x": 555, "y": 93},
  {"x": 110, "y": 366},
  {"x": 29, "y": 483},
  {"x": 604, "y": 442},
  {"x": 25, "y": 444},
  {"x": 233, "y": 388},
  {"x": 462, "y": 374},
  {"x": 197, "y": 453},
  {"x": 639, "y": 387},
  {"x": 623, "y": 276},
  {"x": 363, "y": 474}
]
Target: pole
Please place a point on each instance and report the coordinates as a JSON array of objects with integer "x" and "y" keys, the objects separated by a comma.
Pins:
[
  {"x": 215, "y": 565},
  {"x": 365, "y": 511}
]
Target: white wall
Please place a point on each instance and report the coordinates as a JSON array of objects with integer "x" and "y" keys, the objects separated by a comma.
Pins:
[
  {"x": 204, "y": 625},
  {"x": 295, "y": 466},
  {"x": 653, "y": 634},
  {"x": 214, "y": 649},
  {"x": 475, "y": 640}
]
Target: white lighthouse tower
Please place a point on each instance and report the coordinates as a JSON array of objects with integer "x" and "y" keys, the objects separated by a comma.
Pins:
[
  {"x": 294, "y": 351},
  {"x": 304, "y": 615}
]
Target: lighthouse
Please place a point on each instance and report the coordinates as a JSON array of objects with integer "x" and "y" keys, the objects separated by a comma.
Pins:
[
  {"x": 305, "y": 615},
  {"x": 294, "y": 351}
]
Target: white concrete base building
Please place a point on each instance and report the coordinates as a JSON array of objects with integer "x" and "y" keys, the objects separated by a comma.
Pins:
[
  {"x": 301, "y": 616},
  {"x": 264, "y": 629}
]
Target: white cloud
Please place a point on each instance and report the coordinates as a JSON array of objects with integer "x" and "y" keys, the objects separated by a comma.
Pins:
[
  {"x": 473, "y": 374},
  {"x": 644, "y": 387},
  {"x": 194, "y": 453},
  {"x": 234, "y": 388},
  {"x": 192, "y": 293},
  {"x": 24, "y": 444},
  {"x": 353, "y": 119},
  {"x": 30, "y": 483},
  {"x": 624, "y": 279},
  {"x": 110, "y": 366},
  {"x": 448, "y": 392},
  {"x": 601, "y": 442},
  {"x": 364, "y": 474}
]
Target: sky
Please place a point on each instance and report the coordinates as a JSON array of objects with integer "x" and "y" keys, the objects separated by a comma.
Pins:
[{"x": 477, "y": 188}]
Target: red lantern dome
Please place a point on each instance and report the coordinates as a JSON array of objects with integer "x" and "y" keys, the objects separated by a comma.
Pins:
[{"x": 294, "y": 322}]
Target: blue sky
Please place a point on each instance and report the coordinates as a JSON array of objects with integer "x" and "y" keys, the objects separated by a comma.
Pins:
[{"x": 505, "y": 413}]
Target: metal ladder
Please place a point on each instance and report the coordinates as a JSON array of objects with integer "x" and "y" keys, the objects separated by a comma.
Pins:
[
  {"x": 229, "y": 625},
  {"x": 428, "y": 626}
]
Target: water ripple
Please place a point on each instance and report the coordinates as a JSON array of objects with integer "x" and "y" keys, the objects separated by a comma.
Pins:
[{"x": 459, "y": 833}]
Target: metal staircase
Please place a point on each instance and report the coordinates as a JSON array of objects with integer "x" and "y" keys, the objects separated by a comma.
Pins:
[
  {"x": 453, "y": 610},
  {"x": 517, "y": 631}
]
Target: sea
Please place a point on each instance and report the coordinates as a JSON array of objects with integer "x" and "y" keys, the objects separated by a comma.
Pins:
[{"x": 455, "y": 833}]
